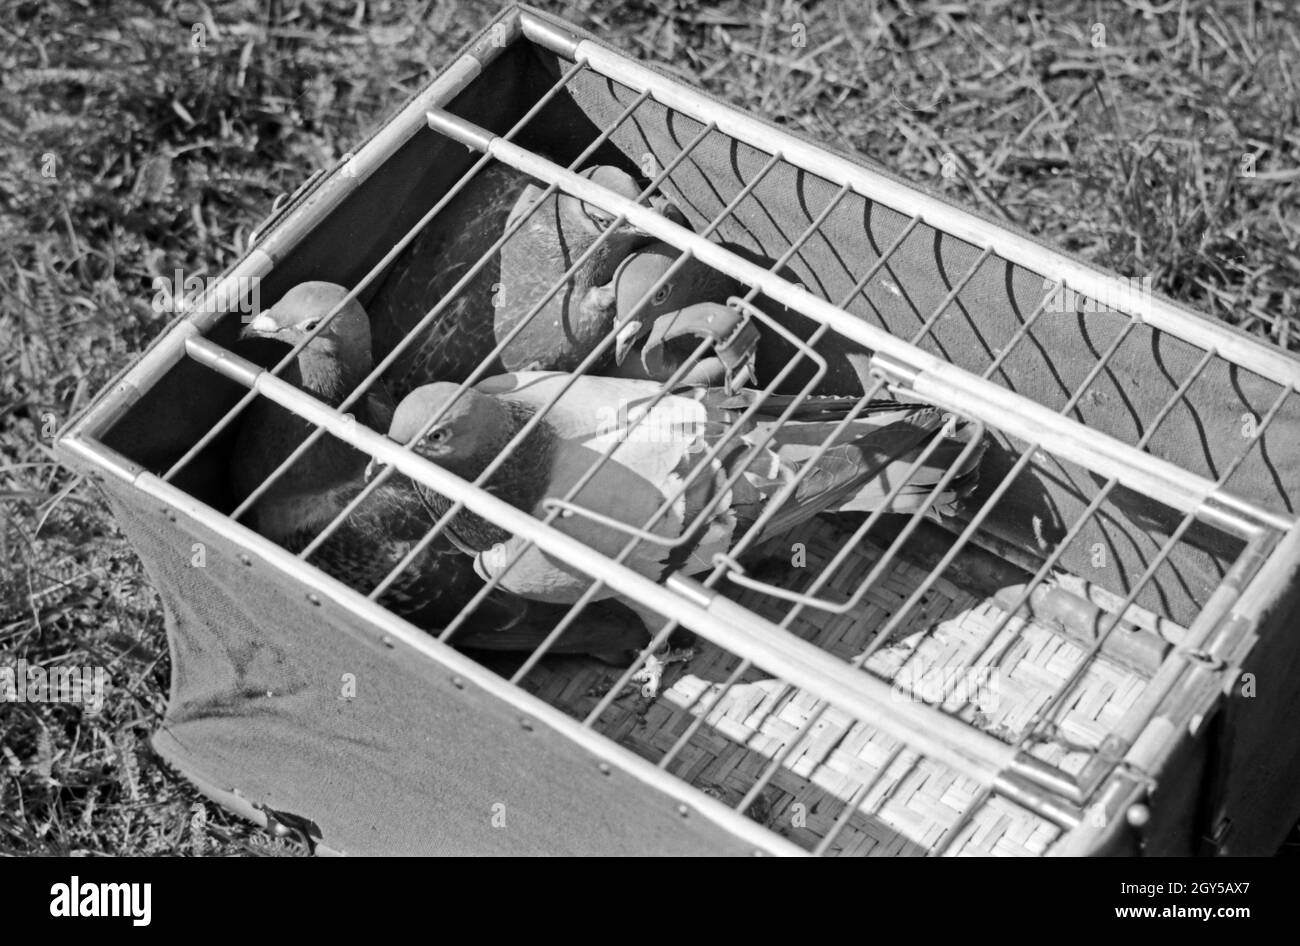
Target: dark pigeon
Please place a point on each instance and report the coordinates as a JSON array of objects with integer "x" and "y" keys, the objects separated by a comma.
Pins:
[{"x": 496, "y": 300}]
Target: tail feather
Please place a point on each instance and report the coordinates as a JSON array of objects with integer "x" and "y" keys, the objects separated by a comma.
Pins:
[
  {"x": 810, "y": 407},
  {"x": 607, "y": 630},
  {"x": 914, "y": 494}
]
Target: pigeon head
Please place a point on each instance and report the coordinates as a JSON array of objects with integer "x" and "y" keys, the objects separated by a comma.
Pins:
[
  {"x": 303, "y": 308},
  {"x": 472, "y": 431},
  {"x": 636, "y": 275},
  {"x": 643, "y": 272},
  {"x": 468, "y": 430}
]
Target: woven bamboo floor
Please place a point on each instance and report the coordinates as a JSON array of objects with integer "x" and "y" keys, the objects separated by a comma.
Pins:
[{"x": 902, "y": 803}]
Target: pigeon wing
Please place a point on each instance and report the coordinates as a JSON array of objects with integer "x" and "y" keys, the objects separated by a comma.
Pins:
[{"x": 650, "y": 461}]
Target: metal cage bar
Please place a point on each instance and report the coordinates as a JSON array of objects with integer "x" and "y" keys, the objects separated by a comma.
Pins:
[{"x": 1091, "y": 510}]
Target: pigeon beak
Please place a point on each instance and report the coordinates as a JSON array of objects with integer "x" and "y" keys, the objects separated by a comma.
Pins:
[
  {"x": 624, "y": 341},
  {"x": 372, "y": 469},
  {"x": 669, "y": 210},
  {"x": 262, "y": 326}
]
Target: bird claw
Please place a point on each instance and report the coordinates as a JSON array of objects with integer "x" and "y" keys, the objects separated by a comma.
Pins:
[
  {"x": 732, "y": 333},
  {"x": 650, "y": 676},
  {"x": 651, "y": 673}
]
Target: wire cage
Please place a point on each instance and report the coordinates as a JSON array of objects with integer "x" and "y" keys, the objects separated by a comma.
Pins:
[{"x": 1053, "y": 665}]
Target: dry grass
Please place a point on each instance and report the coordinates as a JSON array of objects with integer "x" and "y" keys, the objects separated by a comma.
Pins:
[{"x": 129, "y": 152}]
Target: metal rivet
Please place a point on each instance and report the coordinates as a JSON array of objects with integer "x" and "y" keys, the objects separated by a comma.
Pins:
[
  {"x": 245, "y": 559},
  {"x": 605, "y": 769},
  {"x": 280, "y": 830},
  {"x": 387, "y": 641},
  {"x": 526, "y": 723},
  {"x": 458, "y": 683},
  {"x": 313, "y": 599},
  {"x": 1138, "y": 815},
  {"x": 756, "y": 853},
  {"x": 683, "y": 810}
]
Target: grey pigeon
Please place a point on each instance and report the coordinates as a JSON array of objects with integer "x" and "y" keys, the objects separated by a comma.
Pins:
[{"x": 652, "y": 460}]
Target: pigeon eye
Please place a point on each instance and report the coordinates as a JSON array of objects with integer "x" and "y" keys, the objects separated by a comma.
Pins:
[
  {"x": 438, "y": 436},
  {"x": 597, "y": 216},
  {"x": 662, "y": 294},
  {"x": 308, "y": 326}
]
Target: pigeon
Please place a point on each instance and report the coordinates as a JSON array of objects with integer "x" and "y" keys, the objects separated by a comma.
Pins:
[
  {"x": 495, "y": 301},
  {"x": 383, "y": 528},
  {"x": 330, "y": 367},
  {"x": 652, "y": 459},
  {"x": 683, "y": 307}
]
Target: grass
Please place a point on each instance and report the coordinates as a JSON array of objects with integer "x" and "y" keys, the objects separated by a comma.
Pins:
[{"x": 139, "y": 137}]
